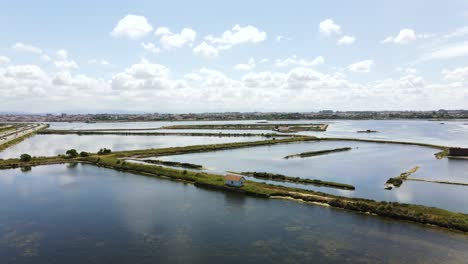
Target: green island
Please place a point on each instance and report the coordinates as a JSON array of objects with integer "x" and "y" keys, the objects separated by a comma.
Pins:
[
  {"x": 317, "y": 153},
  {"x": 398, "y": 181},
  {"x": 115, "y": 160},
  {"x": 284, "y": 178}
]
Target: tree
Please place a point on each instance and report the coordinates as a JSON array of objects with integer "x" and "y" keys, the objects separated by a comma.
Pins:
[
  {"x": 104, "y": 151},
  {"x": 84, "y": 154},
  {"x": 25, "y": 157},
  {"x": 72, "y": 153}
]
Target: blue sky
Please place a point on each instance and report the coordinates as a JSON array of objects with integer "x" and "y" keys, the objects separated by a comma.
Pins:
[{"x": 186, "y": 56}]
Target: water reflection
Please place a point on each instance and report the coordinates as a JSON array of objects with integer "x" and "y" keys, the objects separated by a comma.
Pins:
[
  {"x": 367, "y": 166},
  {"x": 119, "y": 217},
  {"x": 52, "y": 145}
]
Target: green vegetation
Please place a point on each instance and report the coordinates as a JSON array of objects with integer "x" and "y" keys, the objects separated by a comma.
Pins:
[
  {"x": 84, "y": 154},
  {"x": 6, "y": 128},
  {"x": 104, "y": 151},
  {"x": 317, "y": 153},
  {"x": 174, "y": 164},
  {"x": 284, "y": 178},
  {"x": 25, "y": 157},
  {"x": 441, "y": 182},
  {"x": 368, "y": 131},
  {"x": 208, "y": 148},
  {"x": 292, "y": 127},
  {"x": 398, "y": 181},
  {"x": 71, "y": 153}
]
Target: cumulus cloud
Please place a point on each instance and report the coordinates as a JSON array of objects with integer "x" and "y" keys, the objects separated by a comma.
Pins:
[
  {"x": 63, "y": 62},
  {"x": 169, "y": 40},
  {"x": 150, "y": 47},
  {"x": 346, "y": 40},
  {"x": 456, "y": 75},
  {"x": 361, "y": 66},
  {"x": 132, "y": 26},
  {"x": 250, "y": 65},
  {"x": 237, "y": 35},
  {"x": 4, "y": 60},
  {"x": 145, "y": 84},
  {"x": 28, "y": 72},
  {"x": 21, "y": 47},
  {"x": 328, "y": 27},
  {"x": 295, "y": 60},
  {"x": 205, "y": 50},
  {"x": 405, "y": 36}
]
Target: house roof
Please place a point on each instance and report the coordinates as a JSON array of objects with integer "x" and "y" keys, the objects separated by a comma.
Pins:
[{"x": 232, "y": 177}]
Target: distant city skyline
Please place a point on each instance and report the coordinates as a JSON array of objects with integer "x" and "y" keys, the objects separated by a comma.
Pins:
[{"x": 241, "y": 56}]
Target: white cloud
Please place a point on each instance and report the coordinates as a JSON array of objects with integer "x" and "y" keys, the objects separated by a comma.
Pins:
[
  {"x": 132, "y": 26},
  {"x": 205, "y": 50},
  {"x": 456, "y": 75},
  {"x": 4, "y": 60},
  {"x": 454, "y": 50},
  {"x": 25, "y": 72},
  {"x": 238, "y": 35},
  {"x": 176, "y": 40},
  {"x": 250, "y": 65},
  {"x": 26, "y": 48},
  {"x": 329, "y": 27},
  {"x": 63, "y": 62},
  {"x": 100, "y": 62},
  {"x": 150, "y": 47},
  {"x": 361, "y": 66},
  {"x": 405, "y": 36},
  {"x": 295, "y": 60},
  {"x": 346, "y": 40}
]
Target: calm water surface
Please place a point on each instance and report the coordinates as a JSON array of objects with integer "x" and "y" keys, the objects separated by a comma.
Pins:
[
  {"x": 450, "y": 133},
  {"x": 367, "y": 166},
  {"x": 85, "y": 214},
  {"x": 51, "y": 145}
]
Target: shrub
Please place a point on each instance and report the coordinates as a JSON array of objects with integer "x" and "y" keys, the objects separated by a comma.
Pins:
[
  {"x": 25, "y": 157},
  {"x": 84, "y": 154},
  {"x": 104, "y": 151},
  {"x": 71, "y": 153}
]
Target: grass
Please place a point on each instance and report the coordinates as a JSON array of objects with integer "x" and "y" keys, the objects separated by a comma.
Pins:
[
  {"x": 284, "y": 178},
  {"x": 398, "y": 181},
  {"x": 317, "y": 153}
]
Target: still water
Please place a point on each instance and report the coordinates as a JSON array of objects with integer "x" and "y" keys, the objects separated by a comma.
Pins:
[
  {"x": 367, "y": 166},
  {"x": 51, "y": 145},
  {"x": 85, "y": 214},
  {"x": 450, "y": 133}
]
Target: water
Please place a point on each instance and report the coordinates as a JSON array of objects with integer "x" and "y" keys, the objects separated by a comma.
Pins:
[
  {"x": 86, "y": 214},
  {"x": 367, "y": 166},
  {"x": 450, "y": 133},
  {"x": 52, "y": 145}
]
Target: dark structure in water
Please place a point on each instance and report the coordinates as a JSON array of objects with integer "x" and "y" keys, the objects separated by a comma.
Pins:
[{"x": 458, "y": 152}]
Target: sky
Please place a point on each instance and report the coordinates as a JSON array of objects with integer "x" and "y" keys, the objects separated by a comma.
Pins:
[{"x": 212, "y": 56}]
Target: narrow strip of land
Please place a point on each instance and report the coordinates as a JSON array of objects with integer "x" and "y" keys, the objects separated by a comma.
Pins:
[
  {"x": 284, "y": 178},
  {"x": 292, "y": 127},
  {"x": 13, "y": 137},
  {"x": 192, "y": 134},
  {"x": 437, "y": 181},
  {"x": 317, "y": 153}
]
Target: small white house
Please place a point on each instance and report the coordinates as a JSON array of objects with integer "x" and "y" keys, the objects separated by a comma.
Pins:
[{"x": 234, "y": 180}]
